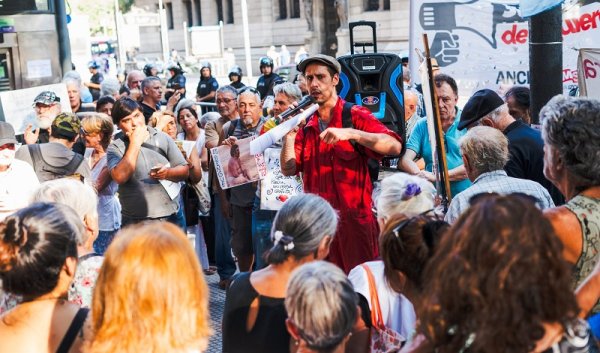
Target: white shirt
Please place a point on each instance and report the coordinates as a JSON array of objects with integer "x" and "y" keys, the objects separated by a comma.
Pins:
[
  {"x": 17, "y": 184},
  {"x": 397, "y": 311}
]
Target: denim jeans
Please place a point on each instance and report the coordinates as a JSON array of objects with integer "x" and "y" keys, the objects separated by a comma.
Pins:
[
  {"x": 104, "y": 239},
  {"x": 225, "y": 264},
  {"x": 262, "y": 220}
]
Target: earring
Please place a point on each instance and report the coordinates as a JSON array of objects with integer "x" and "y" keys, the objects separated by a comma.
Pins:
[{"x": 296, "y": 342}]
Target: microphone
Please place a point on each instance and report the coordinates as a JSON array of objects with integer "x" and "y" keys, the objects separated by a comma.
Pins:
[{"x": 304, "y": 102}]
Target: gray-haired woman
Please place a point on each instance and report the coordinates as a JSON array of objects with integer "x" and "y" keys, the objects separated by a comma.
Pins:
[
  {"x": 571, "y": 155},
  {"x": 322, "y": 308},
  {"x": 254, "y": 315}
]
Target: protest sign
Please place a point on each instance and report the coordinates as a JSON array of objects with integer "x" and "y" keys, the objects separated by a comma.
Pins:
[
  {"x": 588, "y": 68},
  {"x": 236, "y": 166},
  {"x": 276, "y": 188},
  {"x": 485, "y": 43}
]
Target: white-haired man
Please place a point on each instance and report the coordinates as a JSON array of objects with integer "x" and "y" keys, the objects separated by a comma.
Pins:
[{"x": 485, "y": 153}]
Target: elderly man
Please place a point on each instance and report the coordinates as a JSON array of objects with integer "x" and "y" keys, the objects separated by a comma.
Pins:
[
  {"x": 331, "y": 152},
  {"x": 18, "y": 178},
  {"x": 485, "y": 152},
  {"x": 56, "y": 159},
  {"x": 36, "y": 126},
  {"x": 142, "y": 161},
  {"x": 227, "y": 106},
  {"x": 418, "y": 144},
  {"x": 133, "y": 81},
  {"x": 74, "y": 93},
  {"x": 411, "y": 103},
  {"x": 525, "y": 144},
  {"x": 241, "y": 198},
  {"x": 285, "y": 94},
  {"x": 151, "y": 96}
]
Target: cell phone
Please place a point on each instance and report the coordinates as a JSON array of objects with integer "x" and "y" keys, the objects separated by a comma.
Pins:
[{"x": 155, "y": 169}]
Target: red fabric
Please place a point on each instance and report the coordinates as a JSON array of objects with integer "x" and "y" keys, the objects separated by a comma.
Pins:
[{"x": 339, "y": 174}]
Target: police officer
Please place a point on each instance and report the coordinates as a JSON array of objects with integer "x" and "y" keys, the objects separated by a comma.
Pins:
[
  {"x": 95, "y": 80},
  {"x": 150, "y": 70},
  {"x": 268, "y": 79},
  {"x": 177, "y": 81},
  {"x": 207, "y": 87},
  {"x": 235, "y": 76}
]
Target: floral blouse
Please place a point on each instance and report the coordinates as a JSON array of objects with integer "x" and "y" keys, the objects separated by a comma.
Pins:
[{"x": 83, "y": 284}]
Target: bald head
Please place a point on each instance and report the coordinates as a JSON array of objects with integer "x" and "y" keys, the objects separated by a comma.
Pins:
[
  {"x": 410, "y": 104},
  {"x": 134, "y": 79}
]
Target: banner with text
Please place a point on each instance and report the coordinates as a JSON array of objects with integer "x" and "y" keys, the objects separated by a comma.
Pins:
[
  {"x": 485, "y": 44},
  {"x": 589, "y": 73}
]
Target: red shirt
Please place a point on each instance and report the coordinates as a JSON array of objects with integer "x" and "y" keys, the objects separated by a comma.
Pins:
[{"x": 339, "y": 174}]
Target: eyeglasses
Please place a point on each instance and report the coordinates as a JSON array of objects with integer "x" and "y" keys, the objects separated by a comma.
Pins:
[
  {"x": 409, "y": 220},
  {"x": 224, "y": 100}
]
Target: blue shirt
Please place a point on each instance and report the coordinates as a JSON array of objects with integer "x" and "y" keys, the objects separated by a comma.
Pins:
[{"x": 419, "y": 142}]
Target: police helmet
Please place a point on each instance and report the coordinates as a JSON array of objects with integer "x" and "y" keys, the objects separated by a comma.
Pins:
[
  {"x": 265, "y": 61},
  {"x": 235, "y": 70},
  {"x": 205, "y": 64},
  {"x": 148, "y": 69},
  {"x": 176, "y": 67}
]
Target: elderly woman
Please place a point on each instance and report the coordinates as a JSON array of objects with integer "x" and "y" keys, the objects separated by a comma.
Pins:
[
  {"x": 571, "y": 155},
  {"x": 38, "y": 256},
  {"x": 406, "y": 243},
  {"x": 82, "y": 198},
  {"x": 254, "y": 315},
  {"x": 151, "y": 295},
  {"x": 97, "y": 131},
  {"x": 322, "y": 308},
  {"x": 498, "y": 283}
]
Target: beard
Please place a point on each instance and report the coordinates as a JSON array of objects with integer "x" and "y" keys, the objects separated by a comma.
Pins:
[
  {"x": 44, "y": 122},
  {"x": 248, "y": 121},
  {"x": 6, "y": 157}
]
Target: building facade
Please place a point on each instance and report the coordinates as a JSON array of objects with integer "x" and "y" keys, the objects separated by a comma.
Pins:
[{"x": 317, "y": 25}]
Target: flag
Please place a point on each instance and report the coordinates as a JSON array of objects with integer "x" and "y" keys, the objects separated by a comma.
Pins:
[{"x": 533, "y": 7}]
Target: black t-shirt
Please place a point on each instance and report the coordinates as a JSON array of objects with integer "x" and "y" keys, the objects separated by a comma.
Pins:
[
  {"x": 265, "y": 84},
  {"x": 268, "y": 335},
  {"x": 237, "y": 85},
  {"x": 148, "y": 110},
  {"x": 97, "y": 78},
  {"x": 526, "y": 149},
  {"x": 205, "y": 86}
]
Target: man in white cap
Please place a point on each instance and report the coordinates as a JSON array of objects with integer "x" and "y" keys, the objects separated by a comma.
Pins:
[{"x": 17, "y": 178}]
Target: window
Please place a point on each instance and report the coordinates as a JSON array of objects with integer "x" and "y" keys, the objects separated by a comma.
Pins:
[
  {"x": 229, "y": 11},
  {"x": 377, "y": 5},
  {"x": 169, "y": 10},
  {"x": 188, "y": 12},
  {"x": 289, "y": 9},
  {"x": 198, "y": 12},
  {"x": 219, "y": 10}
]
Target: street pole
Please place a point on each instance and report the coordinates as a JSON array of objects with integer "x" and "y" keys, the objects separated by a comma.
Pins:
[
  {"x": 246, "y": 39},
  {"x": 164, "y": 36},
  {"x": 64, "y": 45},
  {"x": 120, "y": 43},
  {"x": 545, "y": 58}
]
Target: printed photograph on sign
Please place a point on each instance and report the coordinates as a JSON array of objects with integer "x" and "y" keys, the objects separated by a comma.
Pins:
[{"x": 236, "y": 166}]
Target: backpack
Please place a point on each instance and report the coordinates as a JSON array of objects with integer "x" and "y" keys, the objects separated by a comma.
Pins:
[
  {"x": 372, "y": 164},
  {"x": 45, "y": 171}
]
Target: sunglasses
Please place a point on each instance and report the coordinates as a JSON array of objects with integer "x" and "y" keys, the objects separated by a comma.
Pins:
[
  {"x": 251, "y": 90},
  {"x": 409, "y": 220},
  {"x": 492, "y": 196}
]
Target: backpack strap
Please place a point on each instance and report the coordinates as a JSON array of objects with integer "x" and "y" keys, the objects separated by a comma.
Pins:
[
  {"x": 232, "y": 125},
  {"x": 74, "y": 328},
  {"x": 36, "y": 155}
]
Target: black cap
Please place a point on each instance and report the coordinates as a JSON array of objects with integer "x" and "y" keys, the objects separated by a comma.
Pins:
[{"x": 479, "y": 105}]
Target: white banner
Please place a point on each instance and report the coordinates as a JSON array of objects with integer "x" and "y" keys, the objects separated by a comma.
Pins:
[
  {"x": 588, "y": 68},
  {"x": 485, "y": 43}
]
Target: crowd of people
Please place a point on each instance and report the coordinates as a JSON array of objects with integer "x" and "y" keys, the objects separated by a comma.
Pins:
[{"x": 110, "y": 220}]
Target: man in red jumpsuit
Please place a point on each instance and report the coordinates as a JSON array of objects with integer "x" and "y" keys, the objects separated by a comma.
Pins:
[{"x": 335, "y": 169}]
